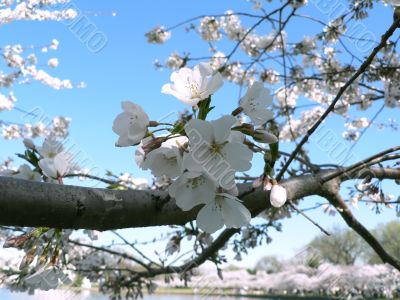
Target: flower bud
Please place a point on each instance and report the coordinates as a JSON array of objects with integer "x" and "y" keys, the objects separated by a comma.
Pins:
[
  {"x": 237, "y": 111},
  {"x": 263, "y": 136},
  {"x": 278, "y": 196},
  {"x": 153, "y": 144},
  {"x": 29, "y": 144},
  {"x": 153, "y": 124}
]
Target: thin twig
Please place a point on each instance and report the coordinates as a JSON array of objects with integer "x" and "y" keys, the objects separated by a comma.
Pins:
[{"x": 331, "y": 107}]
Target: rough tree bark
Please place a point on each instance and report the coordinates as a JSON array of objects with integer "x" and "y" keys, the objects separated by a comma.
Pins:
[{"x": 33, "y": 204}]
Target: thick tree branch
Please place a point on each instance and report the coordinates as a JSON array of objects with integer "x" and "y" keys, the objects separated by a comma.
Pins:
[
  {"x": 331, "y": 193},
  {"x": 34, "y": 204}
]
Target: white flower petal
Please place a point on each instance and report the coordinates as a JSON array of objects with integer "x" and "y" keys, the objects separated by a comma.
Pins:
[
  {"x": 234, "y": 213},
  {"x": 260, "y": 116},
  {"x": 237, "y": 136},
  {"x": 189, "y": 163},
  {"x": 192, "y": 85},
  {"x": 254, "y": 103},
  {"x": 222, "y": 128},
  {"x": 192, "y": 189},
  {"x": 209, "y": 218},
  {"x": 131, "y": 125},
  {"x": 238, "y": 156},
  {"x": 48, "y": 168},
  {"x": 199, "y": 132},
  {"x": 121, "y": 124},
  {"x": 62, "y": 163},
  {"x": 215, "y": 83},
  {"x": 163, "y": 161}
]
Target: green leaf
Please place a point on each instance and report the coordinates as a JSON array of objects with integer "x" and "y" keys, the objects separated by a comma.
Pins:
[{"x": 204, "y": 108}]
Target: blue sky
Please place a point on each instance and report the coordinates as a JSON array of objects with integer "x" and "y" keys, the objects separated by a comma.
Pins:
[{"x": 124, "y": 70}]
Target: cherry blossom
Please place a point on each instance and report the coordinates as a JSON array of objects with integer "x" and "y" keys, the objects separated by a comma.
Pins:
[
  {"x": 167, "y": 159},
  {"x": 254, "y": 103},
  {"x": 193, "y": 85},
  {"x": 212, "y": 151},
  {"x": 129, "y": 181},
  {"x": 270, "y": 76},
  {"x": 6, "y": 103},
  {"x": 191, "y": 189},
  {"x": 12, "y": 132},
  {"x": 25, "y": 172},
  {"x": 226, "y": 209},
  {"x": 47, "y": 279},
  {"x": 50, "y": 148},
  {"x": 174, "y": 61},
  {"x": 54, "y": 44},
  {"x": 60, "y": 126},
  {"x": 209, "y": 29},
  {"x": 392, "y": 94},
  {"x": 232, "y": 26},
  {"x": 131, "y": 125},
  {"x": 158, "y": 35},
  {"x": 218, "y": 60},
  {"x": 286, "y": 97},
  {"x": 53, "y": 62},
  {"x": 195, "y": 159},
  {"x": 56, "y": 167}
]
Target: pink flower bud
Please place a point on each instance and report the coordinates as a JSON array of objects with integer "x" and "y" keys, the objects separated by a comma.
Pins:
[
  {"x": 263, "y": 136},
  {"x": 29, "y": 144},
  {"x": 278, "y": 196}
]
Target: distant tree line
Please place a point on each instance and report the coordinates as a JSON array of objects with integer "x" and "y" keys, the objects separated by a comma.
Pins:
[{"x": 343, "y": 247}]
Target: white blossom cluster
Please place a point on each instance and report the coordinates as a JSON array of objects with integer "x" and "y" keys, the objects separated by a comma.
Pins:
[
  {"x": 237, "y": 73},
  {"x": 36, "y": 10},
  {"x": 203, "y": 156},
  {"x": 297, "y": 128},
  {"x": 128, "y": 181},
  {"x": 25, "y": 68},
  {"x": 58, "y": 127},
  {"x": 317, "y": 70},
  {"x": 210, "y": 29},
  {"x": 334, "y": 30},
  {"x": 392, "y": 93},
  {"x": 347, "y": 282},
  {"x": 7, "y": 102},
  {"x": 174, "y": 61},
  {"x": 372, "y": 194},
  {"x": 54, "y": 162},
  {"x": 352, "y": 132},
  {"x": 158, "y": 35}
]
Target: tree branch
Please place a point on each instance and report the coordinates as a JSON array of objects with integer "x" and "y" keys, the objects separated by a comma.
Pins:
[
  {"x": 331, "y": 193},
  {"x": 331, "y": 107},
  {"x": 34, "y": 204}
]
